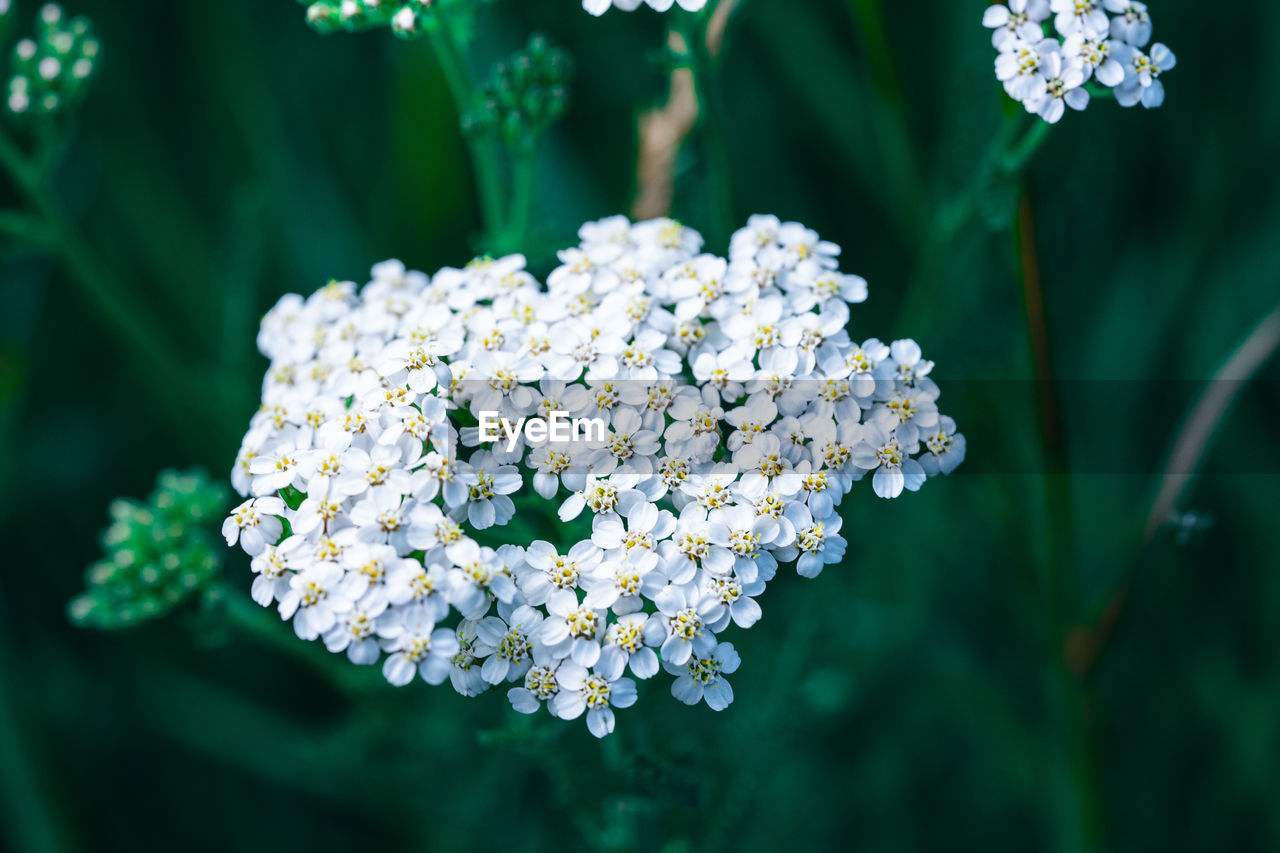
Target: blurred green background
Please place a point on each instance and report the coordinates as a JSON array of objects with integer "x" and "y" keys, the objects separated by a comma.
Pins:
[{"x": 914, "y": 698}]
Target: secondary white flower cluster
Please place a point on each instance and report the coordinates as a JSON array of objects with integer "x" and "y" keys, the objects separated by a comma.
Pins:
[
  {"x": 599, "y": 7},
  {"x": 1101, "y": 40},
  {"x": 735, "y": 413},
  {"x": 51, "y": 70}
]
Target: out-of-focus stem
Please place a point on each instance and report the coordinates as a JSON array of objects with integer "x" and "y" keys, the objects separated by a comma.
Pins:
[
  {"x": 24, "y": 227},
  {"x": 1060, "y": 580},
  {"x": 49, "y": 228},
  {"x": 869, "y": 18},
  {"x": 711, "y": 118},
  {"x": 30, "y": 822},
  {"x": 258, "y": 624},
  {"x": 896, "y": 150},
  {"x": 1085, "y": 644},
  {"x": 110, "y": 302},
  {"x": 1006, "y": 157},
  {"x": 524, "y": 160},
  {"x": 1057, "y": 492},
  {"x": 1017, "y": 157},
  {"x": 662, "y": 133},
  {"x": 451, "y": 51}
]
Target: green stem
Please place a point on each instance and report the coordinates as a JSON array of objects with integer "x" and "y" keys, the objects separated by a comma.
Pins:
[
  {"x": 50, "y": 146},
  {"x": 450, "y": 49},
  {"x": 1060, "y": 582},
  {"x": 16, "y": 164},
  {"x": 31, "y": 821},
  {"x": 1005, "y": 158},
  {"x": 49, "y": 226},
  {"x": 24, "y": 227},
  {"x": 74, "y": 254},
  {"x": 1017, "y": 158},
  {"x": 896, "y": 151},
  {"x": 259, "y": 624},
  {"x": 869, "y": 19},
  {"x": 523, "y": 184},
  {"x": 1081, "y": 764},
  {"x": 702, "y": 65}
]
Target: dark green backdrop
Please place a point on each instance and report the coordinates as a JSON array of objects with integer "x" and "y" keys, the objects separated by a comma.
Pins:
[{"x": 910, "y": 699}]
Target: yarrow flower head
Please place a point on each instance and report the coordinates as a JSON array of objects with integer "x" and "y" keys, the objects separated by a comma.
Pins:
[
  {"x": 599, "y": 7},
  {"x": 159, "y": 554},
  {"x": 1054, "y": 54},
  {"x": 51, "y": 70},
  {"x": 696, "y": 422}
]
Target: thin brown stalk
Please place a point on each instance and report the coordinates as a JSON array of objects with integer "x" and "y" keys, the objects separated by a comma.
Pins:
[
  {"x": 662, "y": 132},
  {"x": 1086, "y": 643}
]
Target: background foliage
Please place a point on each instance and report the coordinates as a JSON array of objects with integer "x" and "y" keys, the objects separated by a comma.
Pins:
[{"x": 913, "y": 698}]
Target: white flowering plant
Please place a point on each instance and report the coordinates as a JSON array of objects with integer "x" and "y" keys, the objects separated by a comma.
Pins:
[
  {"x": 594, "y": 482},
  {"x": 1055, "y": 54},
  {"x": 734, "y": 414}
]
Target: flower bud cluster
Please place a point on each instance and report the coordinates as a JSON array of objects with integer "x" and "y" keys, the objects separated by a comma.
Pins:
[
  {"x": 524, "y": 95},
  {"x": 159, "y": 554},
  {"x": 51, "y": 69},
  {"x": 732, "y": 412}
]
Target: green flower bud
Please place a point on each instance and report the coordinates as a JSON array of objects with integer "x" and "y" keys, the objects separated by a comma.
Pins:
[
  {"x": 159, "y": 554},
  {"x": 524, "y": 94}
]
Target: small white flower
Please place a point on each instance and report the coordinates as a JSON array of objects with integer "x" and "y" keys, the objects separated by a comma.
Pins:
[
  {"x": 703, "y": 677},
  {"x": 573, "y": 629},
  {"x": 275, "y": 565},
  {"x": 1018, "y": 20},
  {"x": 881, "y": 451},
  {"x": 686, "y": 613},
  {"x": 1131, "y": 22},
  {"x": 355, "y": 632},
  {"x": 255, "y": 524},
  {"x": 417, "y": 647},
  {"x": 946, "y": 448},
  {"x": 487, "y": 501},
  {"x": 508, "y": 646},
  {"x": 1080, "y": 16},
  {"x": 1097, "y": 59},
  {"x": 318, "y": 596},
  {"x": 598, "y": 696},
  {"x": 1142, "y": 83},
  {"x": 816, "y": 541},
  {"x": 1018, "y": 67},
  {"x": 540, "y": 685},
  {"x": 547, "y": 571}
]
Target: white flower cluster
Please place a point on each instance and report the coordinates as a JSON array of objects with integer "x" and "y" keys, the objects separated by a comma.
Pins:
[
  {"x": 599, "y": 7},
  {"x": 51, "y": 70},
  {"x": 736, "y": 414},
  {"x": 1102, "y": 40}
]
